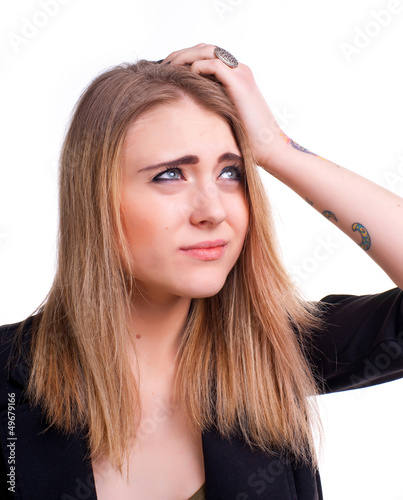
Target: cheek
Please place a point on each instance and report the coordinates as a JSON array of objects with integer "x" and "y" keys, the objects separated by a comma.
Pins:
[
  {"x": 146, "y": 225},
  {"x": 141, "y": 231},
  {"x": 239, "y": 215}
]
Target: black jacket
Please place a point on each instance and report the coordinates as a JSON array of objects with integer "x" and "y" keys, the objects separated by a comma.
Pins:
[{"x": 361, "y": 345}]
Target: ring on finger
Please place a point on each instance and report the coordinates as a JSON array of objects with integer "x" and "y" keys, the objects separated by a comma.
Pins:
[{"x": 226, "y": 57}]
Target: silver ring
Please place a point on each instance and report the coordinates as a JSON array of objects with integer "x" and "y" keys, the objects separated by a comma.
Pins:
[{"x": 226, "y": 57}]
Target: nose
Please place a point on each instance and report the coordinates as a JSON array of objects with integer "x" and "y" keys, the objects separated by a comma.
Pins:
[{"x": 207, "y": 205}]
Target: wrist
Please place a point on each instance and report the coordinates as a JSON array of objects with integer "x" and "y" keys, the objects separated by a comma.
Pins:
[{"x": 273, "y": 151}]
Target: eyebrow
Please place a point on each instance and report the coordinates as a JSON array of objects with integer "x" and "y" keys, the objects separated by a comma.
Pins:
[{"x": 191, "y": 160}]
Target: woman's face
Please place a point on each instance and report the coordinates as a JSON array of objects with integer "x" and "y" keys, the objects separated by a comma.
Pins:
[{"x": 195, "y": 196}]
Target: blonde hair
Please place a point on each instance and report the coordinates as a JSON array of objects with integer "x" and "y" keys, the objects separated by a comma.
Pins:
[{"x": 241, "y": 362}]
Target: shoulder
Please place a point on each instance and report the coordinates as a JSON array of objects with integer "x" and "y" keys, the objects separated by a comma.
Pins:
[
  {"x": 14, "y": 350},
  {"x": 8, "y": 334},
  {"x": 354, "y": 310},
  {"x": 14, "y": 338},
  {"x": 358, "y": 331},
  {"x": 387, "y": 296}
]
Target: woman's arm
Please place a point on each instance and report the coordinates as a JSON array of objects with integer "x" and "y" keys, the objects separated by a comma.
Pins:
[{"x": 371, "y": 215}]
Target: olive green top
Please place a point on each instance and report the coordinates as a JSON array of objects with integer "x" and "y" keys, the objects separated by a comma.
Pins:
[{"x": 200, "y": 494}]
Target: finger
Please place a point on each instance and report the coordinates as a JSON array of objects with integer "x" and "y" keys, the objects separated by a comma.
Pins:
[
  {"x": 194, "y": 54},
  {"x": 215, "y": 67},
  {"x": 178, "y": 53}
]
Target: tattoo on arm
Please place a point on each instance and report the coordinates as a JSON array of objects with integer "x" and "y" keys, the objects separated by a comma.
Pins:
[
  {"x": 329, "y": 215},
  {"x": 309, "y": 201},
  {"x": 295, "y": 145},
  {"x": 366, "y": 240}
]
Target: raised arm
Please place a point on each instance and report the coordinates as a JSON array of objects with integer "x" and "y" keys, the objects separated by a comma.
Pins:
[{"x": 369, "y": 214}]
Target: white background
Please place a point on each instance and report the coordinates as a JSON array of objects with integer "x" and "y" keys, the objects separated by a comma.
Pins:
[{"x": 334, "y": 91}]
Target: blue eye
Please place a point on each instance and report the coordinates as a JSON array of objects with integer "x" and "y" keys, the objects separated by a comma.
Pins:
[
  {"x": 236, "y": 173},
  {"x": 175, "y": 174},
  {"x": 170, "y": 175}
]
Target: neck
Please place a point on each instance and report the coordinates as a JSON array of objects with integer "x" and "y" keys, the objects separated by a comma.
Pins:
[{"x": 157, "y": 326}]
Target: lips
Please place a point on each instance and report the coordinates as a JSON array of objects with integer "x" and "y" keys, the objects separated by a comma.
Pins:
[
  {"x": 206, "y": 244},
  {"x": 206, "y": 250}
]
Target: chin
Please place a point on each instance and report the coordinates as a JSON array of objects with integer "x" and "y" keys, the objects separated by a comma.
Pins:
[
  {"x": 203, "y": 285},
  {"x": 204, "y": 292},
  {"x": 204, "y": 295}
]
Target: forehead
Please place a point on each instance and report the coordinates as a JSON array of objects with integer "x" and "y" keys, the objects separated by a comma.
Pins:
[{"x": 182, "y": 123}]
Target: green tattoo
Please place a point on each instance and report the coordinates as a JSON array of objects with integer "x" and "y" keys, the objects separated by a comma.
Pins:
[
  {"x": 329, "y": 215},
  {"x": 366, "y": 240}
]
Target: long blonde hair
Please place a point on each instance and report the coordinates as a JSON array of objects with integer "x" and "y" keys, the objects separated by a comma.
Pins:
[{"x": 241, "y": 362}]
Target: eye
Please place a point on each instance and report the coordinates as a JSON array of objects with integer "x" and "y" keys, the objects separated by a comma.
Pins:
[
  {"x": 171, "y": 174},
  {"x": 233, "y": 173}
]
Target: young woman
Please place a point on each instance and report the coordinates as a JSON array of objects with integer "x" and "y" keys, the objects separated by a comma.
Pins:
[{"x": 174, "y": 357}]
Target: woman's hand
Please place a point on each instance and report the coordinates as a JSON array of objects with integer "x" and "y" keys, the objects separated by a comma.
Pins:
[{"x": 262, "y": 128}]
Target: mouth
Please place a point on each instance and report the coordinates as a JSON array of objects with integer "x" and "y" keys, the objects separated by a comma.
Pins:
[{"x": 206, "y": 250}]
